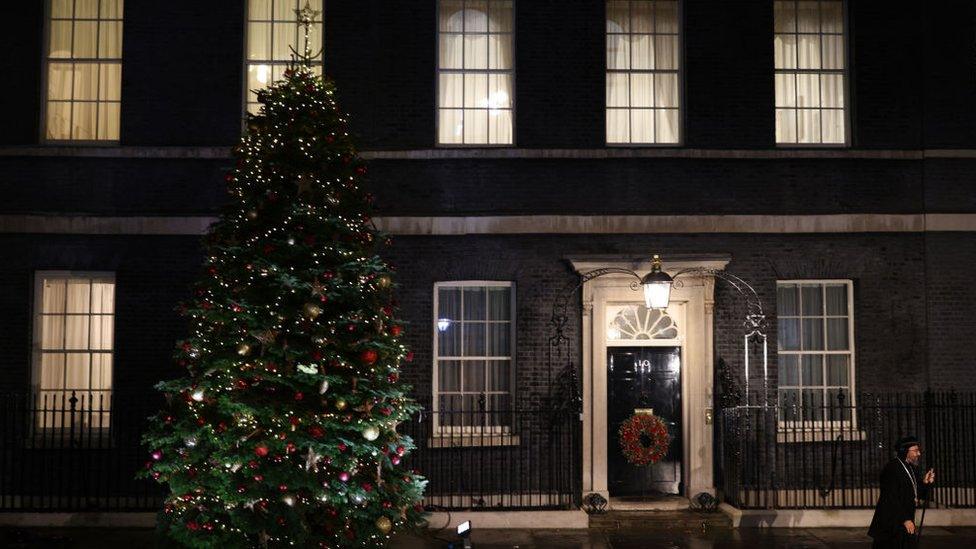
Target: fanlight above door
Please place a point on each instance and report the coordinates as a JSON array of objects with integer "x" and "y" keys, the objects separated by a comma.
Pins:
[{"x": 636, "y": 322}]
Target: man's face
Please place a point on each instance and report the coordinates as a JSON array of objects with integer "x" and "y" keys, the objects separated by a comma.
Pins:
[{"x": 913, "y": 454}]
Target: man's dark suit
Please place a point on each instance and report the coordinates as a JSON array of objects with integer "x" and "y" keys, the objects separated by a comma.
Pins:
[{"x": 896, "y": 505}]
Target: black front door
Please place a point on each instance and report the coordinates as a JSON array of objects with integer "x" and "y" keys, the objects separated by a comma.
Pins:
[{"x": 642, "y": 379}]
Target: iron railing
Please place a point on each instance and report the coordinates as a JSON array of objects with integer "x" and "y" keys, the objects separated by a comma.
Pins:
[
  {"x": 73, "y": 451},
  {"x": 772, "y": 459},
  {"x": 80, "y": 451},
  {"x": 497, "y": 459}
]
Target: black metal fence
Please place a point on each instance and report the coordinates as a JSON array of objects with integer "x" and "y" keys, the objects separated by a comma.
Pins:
[
  {"x": 497, "y": 459},
  {"x": 773, "y": 459},
  {"x": 80, "y": 451},
  {"x": 73, "y": 451}
]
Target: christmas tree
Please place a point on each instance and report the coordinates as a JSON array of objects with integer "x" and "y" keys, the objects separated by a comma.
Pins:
[{"x": 284, "y": 431}]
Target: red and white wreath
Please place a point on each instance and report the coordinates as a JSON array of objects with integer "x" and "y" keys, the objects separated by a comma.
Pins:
[{"x": 644, "y": 439}]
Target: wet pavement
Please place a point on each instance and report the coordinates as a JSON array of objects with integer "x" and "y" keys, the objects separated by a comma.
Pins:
[{"x": 717, "y": 538}]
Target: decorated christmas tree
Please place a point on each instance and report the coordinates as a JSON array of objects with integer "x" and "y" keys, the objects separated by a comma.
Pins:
[{"x": 284, "y": 431}]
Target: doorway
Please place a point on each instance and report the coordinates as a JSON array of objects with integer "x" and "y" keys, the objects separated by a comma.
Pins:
[{"x": 644, "y": 380}]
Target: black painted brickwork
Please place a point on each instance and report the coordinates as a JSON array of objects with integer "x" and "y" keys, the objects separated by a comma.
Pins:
[{"x": 912, "y": 77}]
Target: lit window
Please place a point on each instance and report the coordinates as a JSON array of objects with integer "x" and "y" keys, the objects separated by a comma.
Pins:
[
  {"x": 642, "y": 72},
  {"x": 811, "y": 72},
  {"x": 475, "y": 72},
  {"x": 273, "y": 31},
  {"x": 84, "y": 70},
  {"x": 74, "y": 321},
  {"x": 816, "y": 350},
  {"x": 473, "y": 352}
]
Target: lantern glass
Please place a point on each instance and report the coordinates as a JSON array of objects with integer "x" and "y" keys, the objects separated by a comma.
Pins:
[{"x": 657, "y": 294}]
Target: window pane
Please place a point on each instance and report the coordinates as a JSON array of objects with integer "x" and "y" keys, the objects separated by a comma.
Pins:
[
  {"x": 784, "y": 16},
  {"x": 832, "y": 90},
  {"x": 833, "y": 126},
  {"x": 836, "y": 299},
  {"x": 812, "y": 401},
  {"x": 808, "y": 51},
  {"x": 838, "y": 370},
  {"x": 666, "y": 90},
  {"x": 60, "y": 41},
  {"x": 101, "y": 332},
  {"x": 808, "y": 90},
  {"x": 85, "y": 39},
  {"x": 451, "y": 90},
  {"x": 833, "y": 52},
  {"x": 86, "y": 9},
  {"x": 110, "y": 81},
  {"x": 475, "y": 126},
  {"x": 77, "y": 371},
  {"x": 618, "y": 51},
  {"x": 666, "y": 52},
  {"x": 784, "y": 51},
  {"x": 812, "y": 298},
  {"x": 808, "y": 126},
  {"x": 475, "y": 51},
  {"x": 642, "y": 90},
  {"x": 837, "y": 334},
  {"x": 475, "y": 302},
  {"x": 811, "y": 370},
  {"x": 789, "y": 371},
  {"x": 666, "y": 16},
  {"x": 642, "y": 126},
  {"x": 618, "y": 91},
  {"x": 642, "y": 51},
  {"x": 642, "y": 16},
  {"x": 283, "y": 38},
  {"x": 807, "y": 17},
  {"x": 58, "y": 120},
  {"x": 618, "y": 17},
  {"x": 101, "y": 374},
  {"x": 476, "y": 90},
  {"x": 284, "y": 10},
  {"x": 448, "y": 337},
  {"x": 500, "y": 127},
  {"x": 813, "y": 334},
  {"x": 474, "y": 376},
  {"x": 787, "y": 300},
  {"x": 499, "y": 91},
  {"x": 789, "y": 334},
  {"x": 499, "y": 303},
  {"x": 259, "y": 41},
  {"x": 838, "y": 405},
  {"x": 448, "y": 405},
  {"x": 785, "y": 90},
  {"x": 450, "y": 126},
  {"x": 83, "y": 119},
  {"x": 108, "y": 121},
  {"x": 500, "y": 16},
  {"x": 500, "y": 51},
  {"x": 785, "y": 126},
  {"x": 52, "y": 371},
  {"x": 476, "y": 16},
  {"x": 79, "y": 296},
  {"x": 449, "y": 302},
  {"x": 62, "y": 9},
  {"x": 499, "y": 375},
  {"x": 832, "y": 17},
  {"x": 666, "y": 125},
  {"x": 110, "y": 39},
  {"x": 76, "y": 332},
  {"x": 449, "y": 375},
  {"x": 86, "y": 82},
  {"x": 618, "y": 126},
  {"x": 451, "y": 51},
  {"x": 499, "y": 339},
  {"x": 474, "y": 338},
  {"x": 789, "y": 400},
  {"x": 450, "y": 15},
  {"x": 52, "y": 332},
  {"x": 59, "y": 82},
  {"x": 53, "y": 297}
]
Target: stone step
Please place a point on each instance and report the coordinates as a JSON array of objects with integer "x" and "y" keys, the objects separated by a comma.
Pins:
[{"x": 659, "y": 520}]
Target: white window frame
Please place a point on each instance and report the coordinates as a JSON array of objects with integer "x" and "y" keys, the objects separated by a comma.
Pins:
[
  {"x": 679, "y": 75},
  {"x": 45, "y": 78},
  {"x": 816, "y": 426},
  {"x": 317, "y": 66},
  {"x": 845, "y": 73},
  {"x": 443, "y": 430},
  {"x": 437, "y": 76},
  {"x": 103, "y": 422}
]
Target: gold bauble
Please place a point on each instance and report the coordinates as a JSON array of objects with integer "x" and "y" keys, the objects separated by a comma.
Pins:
[
  {"x": 243, "y": 349},
  {"x": 384, "y": 281},
  {"x": 371, "y": 433},
  {"x": 340, "y": 404},
  {"x": 383, "y": 524},
  {"x": 312, "y": 310}
]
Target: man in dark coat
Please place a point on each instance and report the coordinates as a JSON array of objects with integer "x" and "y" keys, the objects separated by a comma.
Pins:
[{"x": 893, "y": 525}]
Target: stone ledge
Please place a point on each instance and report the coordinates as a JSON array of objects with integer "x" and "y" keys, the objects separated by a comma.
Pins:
[
  {"x": 498, "y": 520},
  {"x": 833, "y": 518}
]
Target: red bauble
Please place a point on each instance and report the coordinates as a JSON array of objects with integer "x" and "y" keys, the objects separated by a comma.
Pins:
[
  {"x": 261, "y": 450},
  {"x": 258, "y": 478},
  {"x": 316, "y": 431},
  {"x": 342, "y": 446},
  {"x": 299, "y": 395},
  {"x": 282, "y": 487},
  {"x": 369, "y": 356},
  {"x": 393, "y": 378},
  {"x": 400, "y": 450},
  {"x": 192, "y": 525},
  {"x": 395, "y": 331},
  {"x": 409, "y": 357}
]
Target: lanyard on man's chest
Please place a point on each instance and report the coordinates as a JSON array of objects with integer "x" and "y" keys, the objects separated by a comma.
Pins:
[{"x": 911, "y": 477}]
